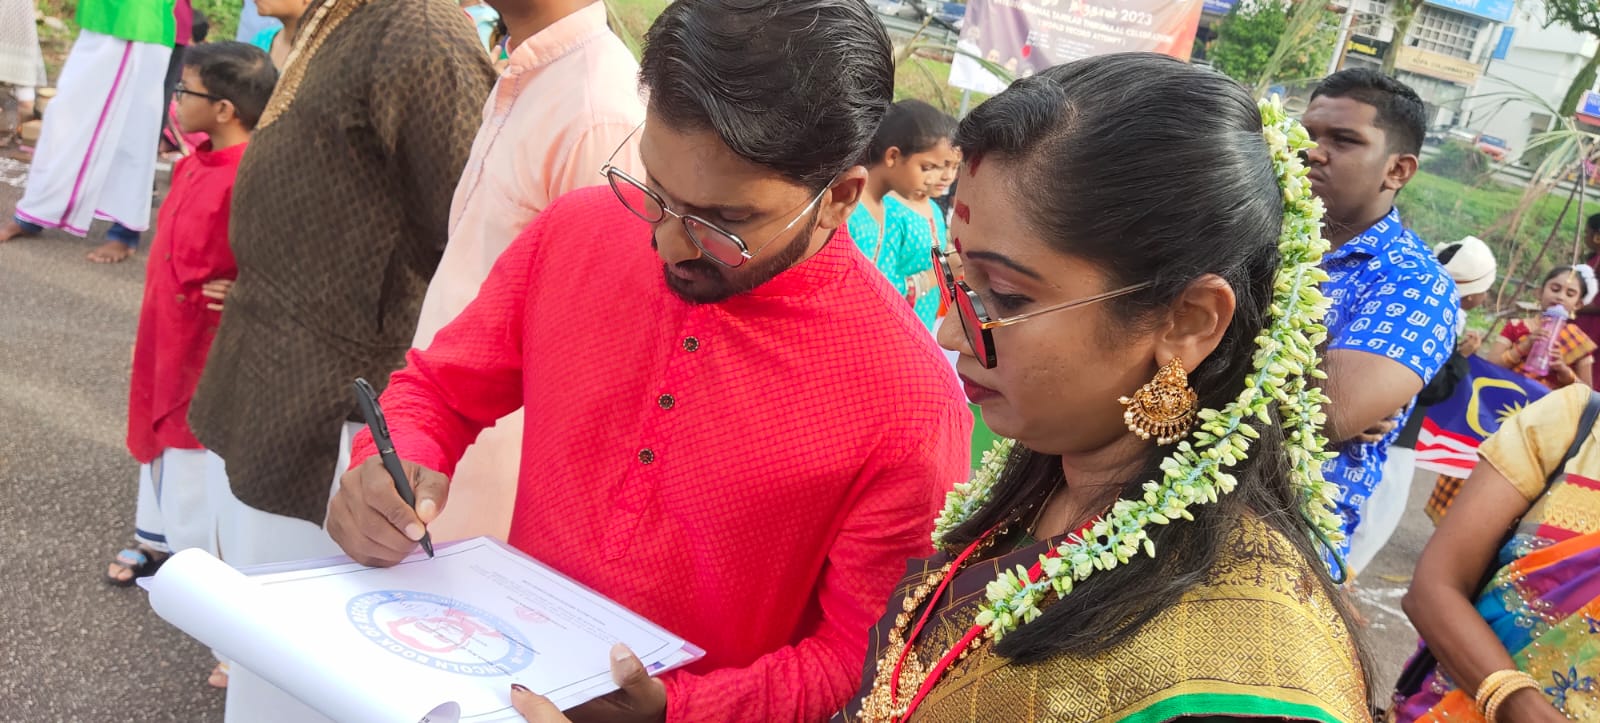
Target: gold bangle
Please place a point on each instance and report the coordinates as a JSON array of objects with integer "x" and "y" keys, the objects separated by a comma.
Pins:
[
  {"x": 1491, "y": 684},
  {"x": 1517, "y": 683}
]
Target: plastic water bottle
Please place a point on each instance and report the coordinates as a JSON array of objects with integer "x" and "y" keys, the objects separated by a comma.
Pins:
[{"x": 1538, "y": 361}]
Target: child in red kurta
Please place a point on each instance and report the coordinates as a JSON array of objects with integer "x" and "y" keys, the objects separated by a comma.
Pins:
[{"x": 224, "y": 90}]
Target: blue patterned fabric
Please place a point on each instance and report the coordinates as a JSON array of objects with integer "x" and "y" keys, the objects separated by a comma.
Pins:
[
  {"x": 1391, "y": 298},
  {"x": 900, "y": 248}
]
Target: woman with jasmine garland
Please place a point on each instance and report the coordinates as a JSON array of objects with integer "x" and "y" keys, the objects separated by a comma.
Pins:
[{"x": 1145, "y": 551}]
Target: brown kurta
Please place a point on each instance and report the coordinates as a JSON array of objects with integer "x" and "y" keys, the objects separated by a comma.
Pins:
[{"x": 339, "y": 219}]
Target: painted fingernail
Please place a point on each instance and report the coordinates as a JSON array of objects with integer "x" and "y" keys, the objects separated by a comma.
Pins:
[
  {"x": 414, "y": 531},
  {"x": 520, "y": 688}
]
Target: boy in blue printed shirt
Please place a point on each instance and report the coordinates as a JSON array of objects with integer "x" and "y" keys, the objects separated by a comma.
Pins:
[{"x": 1392, "y": 322}]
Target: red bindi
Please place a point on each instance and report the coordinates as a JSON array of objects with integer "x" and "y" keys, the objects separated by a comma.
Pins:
[{"x": 963, "y": 212}]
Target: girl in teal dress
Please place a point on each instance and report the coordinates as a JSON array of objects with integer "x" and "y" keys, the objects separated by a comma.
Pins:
[
  {"x": 277, "y": 41},
  {"x": 904, "y": 160}
]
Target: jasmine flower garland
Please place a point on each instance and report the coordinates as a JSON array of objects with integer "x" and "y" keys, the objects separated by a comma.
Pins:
[{"x": 1197, "y": 470}]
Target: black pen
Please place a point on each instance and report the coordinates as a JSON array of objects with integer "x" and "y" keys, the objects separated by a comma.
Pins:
[{"x": 368, "y": 398}]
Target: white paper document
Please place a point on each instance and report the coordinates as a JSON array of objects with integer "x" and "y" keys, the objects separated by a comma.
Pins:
[{"x": 438, "y": 640}]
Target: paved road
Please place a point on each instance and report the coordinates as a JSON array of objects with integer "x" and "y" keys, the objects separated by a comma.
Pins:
[{"x": 73, "y": 648}]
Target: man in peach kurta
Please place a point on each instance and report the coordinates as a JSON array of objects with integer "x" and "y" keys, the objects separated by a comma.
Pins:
[{"x": 564, "y": 103}]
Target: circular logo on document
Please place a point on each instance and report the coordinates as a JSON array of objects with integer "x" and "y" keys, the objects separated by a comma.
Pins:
[{"x": 439, "y": 632}]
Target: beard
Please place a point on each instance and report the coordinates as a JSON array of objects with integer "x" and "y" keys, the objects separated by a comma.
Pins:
[{"x": 710, "y": 282}]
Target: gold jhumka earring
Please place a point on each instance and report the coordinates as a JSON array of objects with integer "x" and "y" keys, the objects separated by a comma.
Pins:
[{"x": 1164, "y": 408}]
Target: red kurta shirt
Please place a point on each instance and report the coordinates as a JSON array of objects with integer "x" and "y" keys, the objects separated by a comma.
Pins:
[
  {"x": 751, "y": 474},
  {"x": 175, "y": 327}
]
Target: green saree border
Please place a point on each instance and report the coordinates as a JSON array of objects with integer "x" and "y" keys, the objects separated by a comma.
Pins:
[{"x": 1202, "y": 704}]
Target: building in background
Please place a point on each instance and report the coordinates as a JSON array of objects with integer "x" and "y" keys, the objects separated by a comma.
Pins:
[
  {"x": 1535, "y": 59},
  {"x": 1442, "y": 56}
]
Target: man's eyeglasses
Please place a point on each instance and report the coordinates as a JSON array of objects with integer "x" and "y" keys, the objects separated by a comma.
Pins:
[
  {"x": 180, "y": 90},
  {"x": 975, "y": 319},
  {"x": 718, "y": 244}
]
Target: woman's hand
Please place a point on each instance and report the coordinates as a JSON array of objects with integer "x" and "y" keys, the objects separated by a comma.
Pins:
[
  {"x": 639, "y": 698},
  {"x": 1441, "y": 601},
  {"x": 919, "y": 285},
  {"x": 534, "y": 707},
  {"x": 1529, "y": 706}
]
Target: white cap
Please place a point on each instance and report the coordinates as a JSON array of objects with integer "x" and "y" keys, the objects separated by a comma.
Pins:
[{"x": 1473, "y": 265}]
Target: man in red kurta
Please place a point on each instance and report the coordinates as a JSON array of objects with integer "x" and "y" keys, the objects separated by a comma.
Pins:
[{"x": 742, "y": 440}]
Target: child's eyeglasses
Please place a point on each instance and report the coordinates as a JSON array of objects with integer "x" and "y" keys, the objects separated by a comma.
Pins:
[{"x": 180, "y": 90}]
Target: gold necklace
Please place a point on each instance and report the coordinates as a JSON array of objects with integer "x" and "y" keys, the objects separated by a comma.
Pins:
[{"x": 881, "y": 705}]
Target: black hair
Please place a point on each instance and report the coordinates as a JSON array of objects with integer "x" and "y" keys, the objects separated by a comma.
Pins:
[
  {"x": 912, "y": 126},
  {"x": 1401, "y": 114},
  {"x": 797, "y": 86},
  {"x": 1449, "y": 251},
  {"x": 498, "y": 35},
  {"x": 1165, "y": 194},
  {"x": 1594, "y": 223},
  {"x": 199, "y": 29},
  {"x": 1559, "y": 270},
  {"x": 240, "y": 72}
]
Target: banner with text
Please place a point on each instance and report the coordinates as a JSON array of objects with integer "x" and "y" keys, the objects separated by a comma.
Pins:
[
  {"x": 1438, "y": 65},
  {"x": 1027, "y": 36}
]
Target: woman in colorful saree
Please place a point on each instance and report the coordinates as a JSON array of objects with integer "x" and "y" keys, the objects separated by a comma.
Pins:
[
  {"x": 1145, "y": 550},
  {"x": 1528, "y": 643}
]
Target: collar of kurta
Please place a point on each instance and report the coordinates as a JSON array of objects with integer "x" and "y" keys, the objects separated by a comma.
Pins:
[
  {"x": 1374, "y": 240},
  {"x": 207, "y": 157},
  {"x": 560, "y": 38},
  {"x": 806, "y": 277}
]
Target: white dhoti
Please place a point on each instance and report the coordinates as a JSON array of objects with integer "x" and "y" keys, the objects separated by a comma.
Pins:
[
  {"x": 249, "y": 536},
  {"x": 96, "y": 155},
  {"x": 1381, "y": 513},
  {"x": 174, "y": 512}
]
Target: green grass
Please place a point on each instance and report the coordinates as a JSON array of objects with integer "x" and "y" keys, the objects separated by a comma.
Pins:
[
  {"x": 223, "y": 15},
  {"x": 636, "y": 15},
  {"x": 928, "y": 79},
  {"x": 1441, "y": 210}
]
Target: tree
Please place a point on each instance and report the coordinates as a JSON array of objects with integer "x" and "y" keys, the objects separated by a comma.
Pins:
[
  {"x": 1582, "y": 16},
  {"x": 1246, "y": 38},
  {"x": 1305, "y": 47},
  {"x": 1403, "y": 13},
  {"x": 1260, "y": 41}
]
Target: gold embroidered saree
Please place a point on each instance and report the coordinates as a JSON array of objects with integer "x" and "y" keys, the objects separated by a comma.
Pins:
[{"x": 1259, "y": 638}]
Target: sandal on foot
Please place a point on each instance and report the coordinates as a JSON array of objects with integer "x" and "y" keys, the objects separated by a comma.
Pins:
[{"x": 139, "y": 561}]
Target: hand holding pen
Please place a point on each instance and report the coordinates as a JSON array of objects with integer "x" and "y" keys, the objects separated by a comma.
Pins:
[{"x": 384, "y": 505}]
